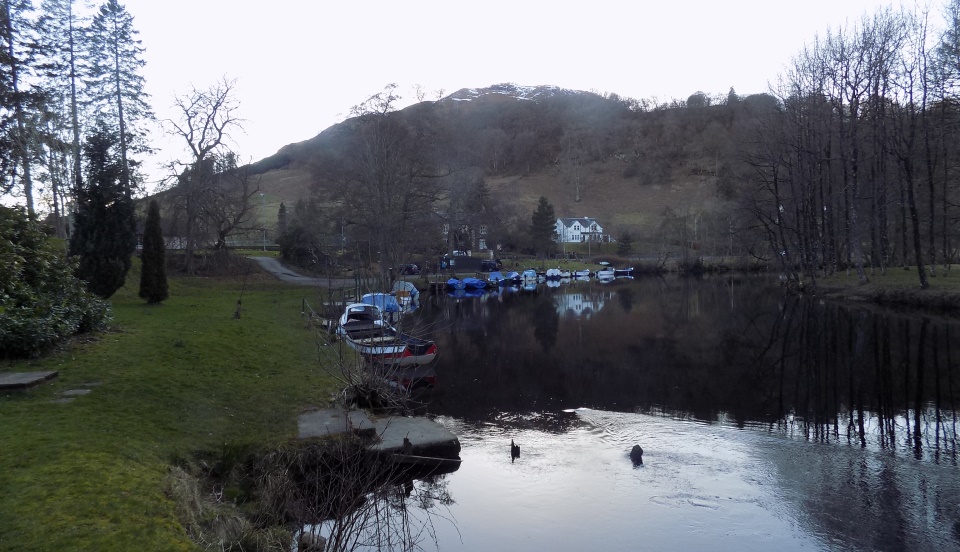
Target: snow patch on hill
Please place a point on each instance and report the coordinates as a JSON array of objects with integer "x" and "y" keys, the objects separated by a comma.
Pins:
[{"x": 519, "y": 92}]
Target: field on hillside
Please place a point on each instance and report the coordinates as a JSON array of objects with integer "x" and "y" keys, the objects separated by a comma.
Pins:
[{"x": 618, "y": 203}]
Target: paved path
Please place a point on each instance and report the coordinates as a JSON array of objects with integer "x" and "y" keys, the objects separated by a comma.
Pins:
[{"x": 273, "y": 266}]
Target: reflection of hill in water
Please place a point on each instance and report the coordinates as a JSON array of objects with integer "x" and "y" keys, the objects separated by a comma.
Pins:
[{"x": 717, "y": 349}]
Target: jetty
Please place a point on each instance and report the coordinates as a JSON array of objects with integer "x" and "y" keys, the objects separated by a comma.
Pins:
[{"x": 387, "y": 433}]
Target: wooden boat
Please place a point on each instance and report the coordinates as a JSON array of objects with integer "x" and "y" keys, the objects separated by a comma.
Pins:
[{"x": 363, "y": 329}]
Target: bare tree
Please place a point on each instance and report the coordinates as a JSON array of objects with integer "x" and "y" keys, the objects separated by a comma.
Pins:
[
  {"x": 209, "y": 190},
  {"x": 386, "y": 178}
]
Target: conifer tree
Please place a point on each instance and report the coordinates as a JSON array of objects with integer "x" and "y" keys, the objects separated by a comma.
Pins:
[
  {"x": 543, "y": 227},
  {"x": 153, "y": 274},
  {"x": 115, "y": 83},
  {"x": 103, "y": 235},
  {"x": 281, "y": 220}
]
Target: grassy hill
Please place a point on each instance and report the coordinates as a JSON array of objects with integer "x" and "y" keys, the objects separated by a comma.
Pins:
[{"x": 631, "y": 164}]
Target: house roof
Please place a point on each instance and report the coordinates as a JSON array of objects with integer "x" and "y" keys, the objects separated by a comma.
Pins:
[{"x": 584, "y": 221}]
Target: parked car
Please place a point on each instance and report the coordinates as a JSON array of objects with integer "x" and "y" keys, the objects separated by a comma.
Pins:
[
  {"x": 488, "y": 266},
  {"x": 411, "y": 269}
]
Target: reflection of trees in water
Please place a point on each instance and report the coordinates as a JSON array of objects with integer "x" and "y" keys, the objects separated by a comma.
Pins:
[
  {"x": 721, "y": 348},
  {"x": 353, "y": 498},
  {"x": 838, "y": 373},
  {"x": 546, "y": 322}
]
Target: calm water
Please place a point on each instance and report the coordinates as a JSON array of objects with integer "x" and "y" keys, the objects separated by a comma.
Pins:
[{"x": 767, "y": 422}]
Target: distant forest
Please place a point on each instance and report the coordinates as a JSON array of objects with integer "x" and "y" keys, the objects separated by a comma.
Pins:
[{"x": 849, "y": 163}]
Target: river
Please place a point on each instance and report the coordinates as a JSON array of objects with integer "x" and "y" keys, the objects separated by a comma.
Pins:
[{"x": 768, "y": 422}]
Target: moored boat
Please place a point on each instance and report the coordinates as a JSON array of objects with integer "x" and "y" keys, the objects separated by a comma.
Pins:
[
  {"x": 362, "y": 328},
  {"x": 511, "y": 278},
  {"x": 455, "y": 283},
  {"x": 473, "y": 283},
  {"x": 388, "y": 305}
]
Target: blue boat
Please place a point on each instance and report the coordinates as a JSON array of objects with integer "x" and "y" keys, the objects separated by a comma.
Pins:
[
  {"x": 530, "y": 274},
  {"x": 512, "y": 278},
  {"x": 495, "y": 278},
  {"x": 384, "y": 301},
  {"x": 473, "y": 283},
  {"x": 455, "y": 283}
]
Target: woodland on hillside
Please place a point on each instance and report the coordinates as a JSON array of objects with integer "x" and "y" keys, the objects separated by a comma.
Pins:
[{"x": 850, "y": 163}]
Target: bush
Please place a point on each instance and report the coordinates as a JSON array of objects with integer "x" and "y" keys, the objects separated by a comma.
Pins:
[{"x": 41, "y": 302}]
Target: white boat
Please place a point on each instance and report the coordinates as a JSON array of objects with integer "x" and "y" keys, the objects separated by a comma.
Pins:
[
  {"x": 606, "y": 275},
  {"x": 553, "y": 274},
  {"x": 407, "y": 294},
  {"x": 363, "y": 329},
  {"x": 606, "y": 272}
]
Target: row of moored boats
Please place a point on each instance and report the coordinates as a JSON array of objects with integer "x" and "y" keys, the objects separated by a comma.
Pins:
[{"x": 513, "y": 278}]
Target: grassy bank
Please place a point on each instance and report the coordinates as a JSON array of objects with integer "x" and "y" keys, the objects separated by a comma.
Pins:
[
  {"x": 899, "y": 288},
  {"x": 168, "y": 380}
]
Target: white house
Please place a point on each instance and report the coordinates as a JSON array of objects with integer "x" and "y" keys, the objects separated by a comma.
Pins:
[{"x": 574, "y": 230}]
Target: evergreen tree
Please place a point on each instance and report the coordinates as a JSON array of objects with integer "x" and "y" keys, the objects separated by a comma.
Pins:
[
  {"x": 153, "y": 274},
  {"x": 115, "y": 83},
  {"x": 103, "y": 234},
  {"x": 20, "y": 103},
  {"x": 61, "y": 38},
  {"x": 543, "y": 227},
  {"x": 624, "y": 244},
  {"x": 281, "y": 220}
]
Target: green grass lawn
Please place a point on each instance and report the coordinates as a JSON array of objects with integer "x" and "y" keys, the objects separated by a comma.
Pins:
[{"x": 168, "y": 380}]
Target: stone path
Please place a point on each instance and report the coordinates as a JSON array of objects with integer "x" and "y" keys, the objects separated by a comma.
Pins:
[{"x": 24, "y": 380}]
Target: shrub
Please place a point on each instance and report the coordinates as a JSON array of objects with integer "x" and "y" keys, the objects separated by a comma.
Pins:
[{"x": 41, "y": 302}]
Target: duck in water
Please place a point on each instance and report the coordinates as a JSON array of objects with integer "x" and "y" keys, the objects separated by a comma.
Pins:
[{"x": 514, "y": 451}]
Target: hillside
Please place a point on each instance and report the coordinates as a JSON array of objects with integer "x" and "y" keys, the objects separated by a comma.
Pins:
[{"x": 589, "y": 155}]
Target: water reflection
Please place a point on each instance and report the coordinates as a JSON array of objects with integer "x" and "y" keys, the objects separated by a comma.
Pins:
[
  {"x": 767, "y": 421},
  {"x": 726, "y": 349}
]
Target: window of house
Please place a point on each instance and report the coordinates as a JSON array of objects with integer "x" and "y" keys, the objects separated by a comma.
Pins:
[
  {"x": 446, "y": 228},
  {"x": 483, "y": 232},
  {"x": 483, "y": 243}
]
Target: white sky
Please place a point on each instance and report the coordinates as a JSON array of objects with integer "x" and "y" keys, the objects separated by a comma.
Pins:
[{"x": 300, "y": 65}]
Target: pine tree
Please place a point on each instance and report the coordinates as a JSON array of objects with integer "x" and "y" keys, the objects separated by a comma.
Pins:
[
  {"x": 153, "y": 274},
  {"x": 103, "y": 234},
  {"x": 114, "y": 80},
  {"x": 281, "y": 220},
  {"x": 624, "y": 244},
  {"x": 21, "y": 103},
  {"x": 543, "y": 227}
]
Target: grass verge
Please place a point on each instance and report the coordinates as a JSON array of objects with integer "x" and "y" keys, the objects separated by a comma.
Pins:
[
  {"x": 166, "y": 381},
  {"x": 899, "y": 288}
]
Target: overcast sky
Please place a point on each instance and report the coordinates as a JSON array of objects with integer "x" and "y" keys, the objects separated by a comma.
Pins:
[{"x": 300, "y": 65}]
